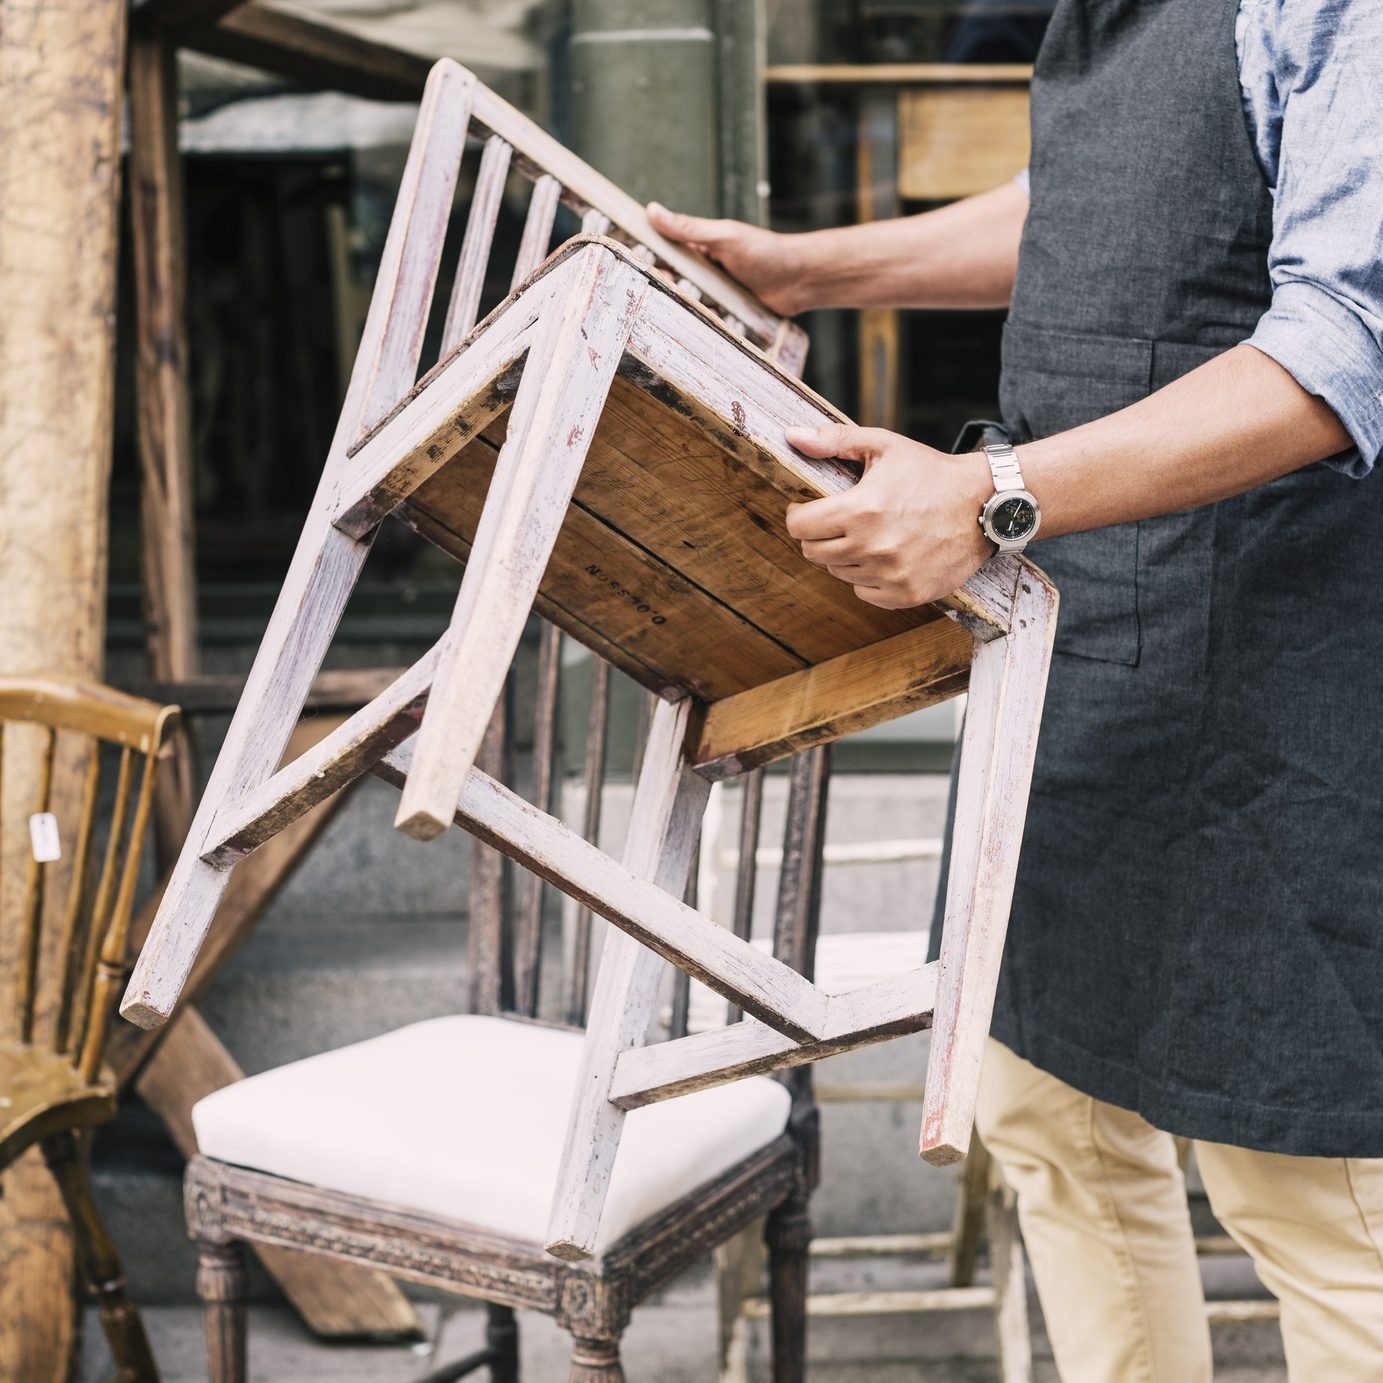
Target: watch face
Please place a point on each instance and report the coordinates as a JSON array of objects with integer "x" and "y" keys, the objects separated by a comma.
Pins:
[{"x": 1014, "y": 519}]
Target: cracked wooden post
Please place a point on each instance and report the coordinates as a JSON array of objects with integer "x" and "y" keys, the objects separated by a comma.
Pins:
[{"x": 60, "y": 70}]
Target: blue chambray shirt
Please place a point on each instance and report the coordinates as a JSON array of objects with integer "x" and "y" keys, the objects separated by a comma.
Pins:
[{"x": 1311, "y": 76}]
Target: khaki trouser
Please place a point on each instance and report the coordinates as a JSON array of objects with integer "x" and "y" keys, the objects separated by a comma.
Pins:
[{"x": 1102, "y": 1204}]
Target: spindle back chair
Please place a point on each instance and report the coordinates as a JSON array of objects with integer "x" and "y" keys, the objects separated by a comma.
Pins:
[
  {"x": 607, "y": 450},
  {"x": 69, "y": 932}
]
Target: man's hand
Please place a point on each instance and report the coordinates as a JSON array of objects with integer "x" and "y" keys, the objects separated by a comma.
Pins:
[
  {"x": 764, "y": 261},
  {"x": 908, "y": 532}
]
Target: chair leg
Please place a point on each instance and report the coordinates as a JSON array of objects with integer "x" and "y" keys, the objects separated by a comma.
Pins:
[
  {"x": 967, "y": 1229},
  {"x": 221, "y": 1285},
  {"x": 99, "y": 1263},
  {"x": 502, "y": 1336},
  {"x": 595, "y": 1360},
  {"x": 789, "y": 1235},
  {"x": 1007, "y": 681},
  {"x": 739, "y": 1275},
  {"x": 1010, "y": 1285}
]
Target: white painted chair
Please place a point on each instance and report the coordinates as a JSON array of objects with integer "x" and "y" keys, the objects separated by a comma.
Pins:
[{"x": 605, "y": 448}]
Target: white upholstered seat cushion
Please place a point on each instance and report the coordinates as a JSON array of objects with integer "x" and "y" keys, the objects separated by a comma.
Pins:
[{"x": 464, "y": 1117}]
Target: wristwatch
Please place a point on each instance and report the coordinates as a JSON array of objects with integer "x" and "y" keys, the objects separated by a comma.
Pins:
[{"x": 1012, "y": 515}]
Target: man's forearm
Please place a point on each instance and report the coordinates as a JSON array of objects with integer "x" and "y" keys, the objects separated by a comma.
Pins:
[
  {"x": 1237, "y": 421},
  {"x": 964, "y": 255},
  {"x": 906, "y": 533}
]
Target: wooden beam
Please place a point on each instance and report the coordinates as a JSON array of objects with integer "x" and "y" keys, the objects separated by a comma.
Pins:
[
  {"x": 834, "y": 698},
  {"x": 335, "y": 689},
  {"x": 163, "y": 414},
  {"x": 892, "y": 1007},
  {"x": 311, "y": 52},
  {"x": 61, "y": 69},
  {"x": 762, "y": 986},
  {"x": 334, "y": 1299},
  {"x": 897, "y": 73},
  {"x": 178, "y": 14}
]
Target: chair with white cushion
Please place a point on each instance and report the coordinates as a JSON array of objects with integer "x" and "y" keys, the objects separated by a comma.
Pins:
[{"x": 431, "y": 1152}]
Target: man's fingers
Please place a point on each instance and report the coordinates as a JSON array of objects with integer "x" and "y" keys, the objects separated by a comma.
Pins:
[
  {"x": 844, "y": 440},
  {"x": 817, "y": 519},
  {"x": 701, "y": 232},
  {"x": 825, "y": 551}
]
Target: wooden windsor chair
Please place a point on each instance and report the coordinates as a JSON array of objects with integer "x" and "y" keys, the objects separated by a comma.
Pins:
[
  {"x": 610, "y": 451},
  {"x": 74, "y": 917}
]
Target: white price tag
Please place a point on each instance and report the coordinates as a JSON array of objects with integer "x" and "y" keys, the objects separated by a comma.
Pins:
[{"x": 43, "y": 835}]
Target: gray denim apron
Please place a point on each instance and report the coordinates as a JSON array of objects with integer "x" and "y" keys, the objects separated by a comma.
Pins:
[{"x": 1197, "y": 930}]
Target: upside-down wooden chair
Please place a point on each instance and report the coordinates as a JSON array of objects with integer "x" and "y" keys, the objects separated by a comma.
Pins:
[
  {"x": 73, "y": 919},
  {"x": 610, "y": 451}
]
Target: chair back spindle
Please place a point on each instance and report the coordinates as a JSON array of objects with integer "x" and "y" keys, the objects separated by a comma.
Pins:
[{"x": 31, "y": 918}]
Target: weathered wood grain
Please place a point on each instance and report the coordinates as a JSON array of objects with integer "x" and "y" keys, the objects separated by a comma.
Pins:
[
  {"x": 488, "y": 197},
  {"x": 553, "y": 418},
  {"x": 668, "y": 804},
  {"x": 1003, "y": 715},
  {"x": 771, "y": 991},
  {"x": 890, "y": 1008},
  {"x": 61, "y": 69},
  {"x": 451, "y": 404},
  {"x": 163, "y": 412},
  {"x": 324, "y": 570},
  {"x": 835, "y": 698}
]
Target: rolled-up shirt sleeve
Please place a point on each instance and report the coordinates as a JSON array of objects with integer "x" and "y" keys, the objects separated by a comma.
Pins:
[{"x": 1312, "y": 77}]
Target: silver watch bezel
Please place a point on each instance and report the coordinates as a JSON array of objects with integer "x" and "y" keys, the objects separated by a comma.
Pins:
[{"x": 987, "y": 524}]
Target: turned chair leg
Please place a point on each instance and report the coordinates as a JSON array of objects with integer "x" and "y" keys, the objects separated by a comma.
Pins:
[
  {"x": 789, "y": 1235},
  {"x": 595, "y": 1360},
  {"x": 502, "y": 1336},
  {"x": 99, "y": 1263},
  {"x": 221, "y": 1285}
]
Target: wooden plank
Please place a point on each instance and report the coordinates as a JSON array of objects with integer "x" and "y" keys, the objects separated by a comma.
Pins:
[
  {"x": 835, "y": 698},
  {"x": 1003, "y": 715},
  {"x": 447, "y": 407},
  {"x": 322, "y": 770},
  {"x": 537, "y": 228},
  {"x": 610, "y": 593},
  {"x": 954, "y": 143},
  {"x": 556, "y": 409},
  {"x": 178, "y": 14},
  {"x": 898, "y": 73},
  {"x": 891, "y": 1008},
  {"x": 668, "y": 804},
  {"x": 772, "y": 992},
  {"x": 333, "y": 689},
  {"x": 464, "y": 308},
  {"x": 324, "y": 570},
  {"x": 311, "y": 52},
  {"x": 61, "y": 71},
  {"x": 748, "y": 411},
  {"x": 899, "y": 1303},
  {"x": 585, "y": 189},
  {"x": 163, "y": 413},
  {"x": 334, "y": 1299},
  {"x": 663, "y": 483}
]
